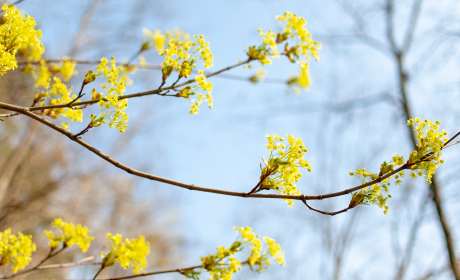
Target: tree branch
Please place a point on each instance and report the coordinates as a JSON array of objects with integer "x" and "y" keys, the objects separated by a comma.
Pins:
[
  {"x": 140, "y": 94},
  {"x": 49, "y": 256},
  {"x": 149, "y": 66},
  {"x": 84, "y": 261},
  {"x": 389, "y": 28},
  {"x": 326, "y": 213},
  {"x": 412, "y": 24},
  {"x": 26, "y": 111},
  {"x": 178, "y": 270}
]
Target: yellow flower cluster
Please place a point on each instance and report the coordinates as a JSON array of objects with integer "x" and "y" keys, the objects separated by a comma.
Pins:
[
  {"x": 66, "y": 68},
  {"x": 224, "y": 264},
  {"x": 59, "y": 94},
  {"x": 116, "y": 76},
  {"x": 159, "y": 39},
  {"x": 373, "y": 194},
  {"x": 298, "y": 47},
  {"x": 68, "y": 234},
  {"x": 259, "y": 257},
  {"x": 282, "y": 168},
  {"x": 180, "y": 56},
  {"x": 427, "y": 157},
  {"x": 45, "y": 77},
  {"x": 15, "y": 250},
  {"x": 42, "y": 75},
  {"x": 302, "y": 81},
  {"x": 295, "y": 28},
  {"x": 130, "y": 253},
  {"x": 17, "y": 33},
  {"x": 112, "y": 107},
  {"x": 202, "y": 84}
]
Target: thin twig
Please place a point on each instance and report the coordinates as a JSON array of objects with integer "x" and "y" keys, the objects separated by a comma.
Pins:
[
  {"x": 390, "y": 25},
  {"x": 140, "y": 94},
  {"x": 99, "y": 271},
  {"x": 326, "y": 213},
  {"x": 49, "y": 256},
  {"x": 80, "y": 95},
  {"x": 412, "y": 25},
  {"x": 265, "y": 176},
  {"x": 150, "y": 67},
  {"x": 178, "y": 270},
  {"x": 84, "y": 261},
  {"x": 83, "y": 131},
  {"x": 448, "y": 141},
  {"x": 134, "y": 56},
  {"x": 17, "y": 2}
]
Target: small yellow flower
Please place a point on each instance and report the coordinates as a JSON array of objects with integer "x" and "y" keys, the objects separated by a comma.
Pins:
[
  {"x": 16, "y": 250},
  {"x": 69, "y": 235},
  {"x": 283, "y": 167},
  {"x": 298, "y": 47},
  {"x": 130, "y": 253},
  {"x": 17, "y": 32}
]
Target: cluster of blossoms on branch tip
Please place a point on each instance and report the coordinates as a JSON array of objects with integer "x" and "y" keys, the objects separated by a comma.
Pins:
[
  {"x": 129, "y": 253},
  {"x": 422, "y": 162},
  {"x": 15, "y": 250},
  {"x": 282, "y": 169},
  {"x": 182, "y": 55},
  {"x": 17, "y": 35},
  {"x": 112, "y": 107},
  {"x": 48, "y": 78},
  {"x": 298, "y": 47},
  {"x": 223, "y": 264},
  {"x": 68, "y": 234}
]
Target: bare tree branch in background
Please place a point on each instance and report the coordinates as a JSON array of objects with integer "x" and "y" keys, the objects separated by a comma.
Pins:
[{"x": 398, "y": 55}]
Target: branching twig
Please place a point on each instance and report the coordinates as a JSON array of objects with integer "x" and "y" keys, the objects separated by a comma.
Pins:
[
  {"x": 50, "y": 255},
  {"x": 134, "y": 172},
  {"x": 148, "y": 66},
  {"x": 140, "y": 94},
  {"x": 326, "y": 213},
  {"x": 84, "y": 261},
  {"x": 80, "y": 95},
  {"x": 408, "y": 38},
  {"x": 83, "y": 131},
  {"x": 390, "y": 25},
  {"x": 178, "y": 270}
]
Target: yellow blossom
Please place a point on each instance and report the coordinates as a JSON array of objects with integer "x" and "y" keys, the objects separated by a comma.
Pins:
[
  {"x": 68, "y": 234},
  {"x": 427, "y": 157},
  {"x": 282, "y": 169},
  {"x": 43, "y": 76},
  {"x": 15, "y": 250},
  {"x": 130, "y": 253},
  {"x": 223, "y": 264},
  {"x": 112, "y": 107},
  {"x": 423, "y": 161},
  {"x": 17, "y": 32}
]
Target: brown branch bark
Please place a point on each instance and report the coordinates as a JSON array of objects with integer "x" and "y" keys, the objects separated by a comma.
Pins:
[
  {"x": 140, "y": 94},
  {"x": 324, "y": 212},
  {"x": 178, "y": 270},
  {"x": 134, "y": 172}
]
